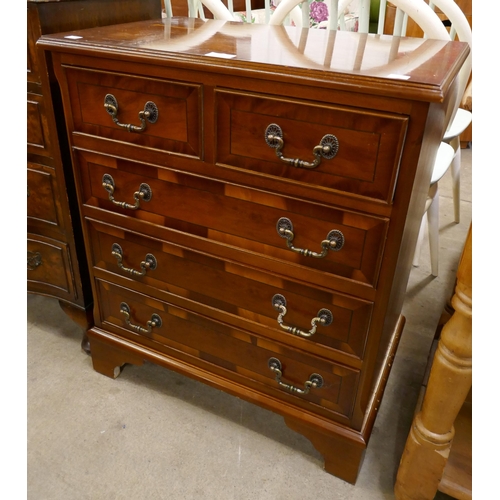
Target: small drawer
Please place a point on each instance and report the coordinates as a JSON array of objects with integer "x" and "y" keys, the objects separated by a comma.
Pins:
[
  {"x": 362, "y": 147},
  {"x": 180, "y": 333},
  {"x": 248, "y": 219},
  {"x": 237, "y": 291},
  {"x": 33, "y": 73},
  {"x": 38, "y": 136},
  {"x": 143, "y": 111},
  {"x": 42, "y": 203},
  {"x": 49, "y": 267}
]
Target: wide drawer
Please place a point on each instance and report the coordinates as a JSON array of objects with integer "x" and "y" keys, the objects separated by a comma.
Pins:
[
  {"x": 369, "y": 143},
  {"x": 49, "y": 267},
  {"x": 42, "y": 204},
  {"x": 236, "y": 290},
  {"x": 174, "y": 330},
  {"x": 174, "y": 110},
  {"x": 238, "y": 216}
]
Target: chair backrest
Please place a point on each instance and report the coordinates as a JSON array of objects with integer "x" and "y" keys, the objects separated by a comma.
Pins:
[
  {"x": 459, "y": 30},
  {"x": 300, "y": 13},
  {"x": 418, "y": 10}
]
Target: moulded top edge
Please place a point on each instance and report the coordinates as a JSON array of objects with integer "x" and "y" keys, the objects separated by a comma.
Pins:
[{"x": 422, "y": 67}]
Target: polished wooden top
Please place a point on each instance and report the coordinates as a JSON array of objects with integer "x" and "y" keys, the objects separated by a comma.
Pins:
[
  {"x": 415, "y": 67},
  {"x": 51, "y": 1}
]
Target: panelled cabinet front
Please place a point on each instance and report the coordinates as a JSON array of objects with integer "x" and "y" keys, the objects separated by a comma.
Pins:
[
  {"x": 56, "y": 262},
  {"x": 248, "y": 223}
]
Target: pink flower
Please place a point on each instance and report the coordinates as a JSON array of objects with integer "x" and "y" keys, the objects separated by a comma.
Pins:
[{"x": 318, "y": 11}]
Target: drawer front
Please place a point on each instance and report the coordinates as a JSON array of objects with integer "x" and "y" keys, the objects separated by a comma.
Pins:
[
  {"x": 231, "y": 349},
  {"x": 241, "y": 217},
  {"x": 237, "y": 290},
  {"x": 42, "y": 204},
  {"x": 38, "y": 135},
  {"x": 49, "y": 267},
  {"x": 174, "y": 110},
  {"x": 369, "y": 143},
  {"x": 32, "y": 35}
]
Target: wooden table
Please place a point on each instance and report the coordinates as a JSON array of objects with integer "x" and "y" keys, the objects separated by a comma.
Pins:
[{"x": 438, "y": 452}]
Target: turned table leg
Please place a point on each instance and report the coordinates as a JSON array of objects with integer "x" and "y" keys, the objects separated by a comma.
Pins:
[{"x": 429, "y": 441}]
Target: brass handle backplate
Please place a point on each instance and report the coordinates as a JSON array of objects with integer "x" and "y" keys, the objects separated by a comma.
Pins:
[
  {"x": 149, "y": 113},
  {"x": 334, "y": 240},
  {"x": 144, "y": 194},
  {"x": 327, "y": 148},
  {"x": 149, "y": 262},
  {"x": 154, "y": 321},
  {"x": 34, "y": 260},
  {"x": 323, "y": 318},
  {"x": 315, "y": 380}
]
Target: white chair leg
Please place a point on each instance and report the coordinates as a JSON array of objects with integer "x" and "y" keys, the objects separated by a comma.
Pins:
[
  {"x": 455, "y": 177},
  {"x": 433, "y": 221},
  {"x": 420, "y": 239}
]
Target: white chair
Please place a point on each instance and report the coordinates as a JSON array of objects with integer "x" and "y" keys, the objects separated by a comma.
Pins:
[
  {"x": 462, "y": 119},
  {"x": 430, "y": 219},
  {"x": 297, "y": 12},
  {"x": 459, "y": 120}
]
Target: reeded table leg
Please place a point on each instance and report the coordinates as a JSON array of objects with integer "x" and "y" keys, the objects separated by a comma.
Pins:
[{"x": 429, "y": 442}]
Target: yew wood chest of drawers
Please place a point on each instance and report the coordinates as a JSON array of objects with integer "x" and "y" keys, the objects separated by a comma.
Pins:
[
  {"x": 250, "y": 201},
  {"x": 57, "y": 265}
]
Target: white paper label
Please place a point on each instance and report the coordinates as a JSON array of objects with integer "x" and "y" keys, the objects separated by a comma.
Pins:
[
  {"x": 220, "y": 54},
  {"x": 399, "y": 77}
]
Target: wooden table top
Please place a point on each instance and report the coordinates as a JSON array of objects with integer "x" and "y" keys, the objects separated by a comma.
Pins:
[{"x": 423, "y": 68}]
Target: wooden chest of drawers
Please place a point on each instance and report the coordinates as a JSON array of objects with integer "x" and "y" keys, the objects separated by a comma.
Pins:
[
  {"x": 251, "y": 197},
  {"x": 57, "y": 265}
]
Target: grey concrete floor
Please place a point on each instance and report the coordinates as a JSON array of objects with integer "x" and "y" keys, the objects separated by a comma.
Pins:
[{"x": 152, "y": 434}]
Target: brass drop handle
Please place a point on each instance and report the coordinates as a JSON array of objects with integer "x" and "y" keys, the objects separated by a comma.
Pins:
[
  {"x": 144, "y": 194},
  {"x": 149, "y": 113},
  {"x": 323, "y": 318},
  {"x": 149, "y": 262},
  {"x": 153, "y": 322},
  {"x": 327, "y": 147},
  {"x": 315, "y": 380},
  {"x": 334, "y": 240}
]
